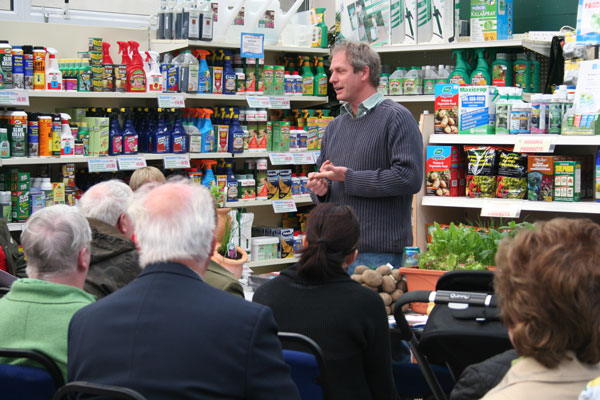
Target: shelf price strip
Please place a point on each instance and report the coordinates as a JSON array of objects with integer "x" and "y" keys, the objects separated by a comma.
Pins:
[
  {"x": 14, "y": 98},
  {"x": 284, "y": 206},
  {"x": 258, "y": 102},
  {"x": 281, "y": 158},
  {"x": 501, "y": 209},
  {"x": 131, "y": 163},
  {"x": 171, "y": 101},
  {"x": 279, "y": 102},
  {"x": 178, "y": 161},
  {"x": 102, "y": 165}
]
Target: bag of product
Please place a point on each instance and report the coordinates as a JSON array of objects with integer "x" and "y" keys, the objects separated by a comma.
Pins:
[
  {"x": 512, "y": 175},
  {"x": 482, "y": 164}
]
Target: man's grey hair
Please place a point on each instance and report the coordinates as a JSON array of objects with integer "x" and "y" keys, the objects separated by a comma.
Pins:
[
  {"x": 359, "y": 56},
  {"x": 52, "y": 239},
  {"x": 175, "y": 220},
  {"x": 106, "y": 201}
]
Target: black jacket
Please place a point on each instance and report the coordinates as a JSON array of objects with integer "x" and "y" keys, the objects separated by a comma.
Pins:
[{"x": 15, "y": 260}]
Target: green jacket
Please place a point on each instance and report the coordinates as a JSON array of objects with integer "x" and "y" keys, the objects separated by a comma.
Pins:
[
  {"x": 15, "y": 260},
  {"x": 219, "y": 277},
  {"x": 35, "y": 314}
]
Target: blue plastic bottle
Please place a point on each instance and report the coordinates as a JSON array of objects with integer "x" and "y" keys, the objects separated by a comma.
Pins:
[
  {"x": 232, "y": 184},
  {"x": 235, "y": 143},
  {"x": 130, "y": 136},
  {"x": 179, "y": 138},
  {"x": 209, "y": 177},
  {"x": 161, "y": 136},
  {"x": 115, "y": 135},
  {"x": 229, "y": 78}
]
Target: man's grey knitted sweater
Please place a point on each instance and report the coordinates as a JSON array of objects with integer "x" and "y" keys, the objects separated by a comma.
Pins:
[{"x": 383, "y": 151}]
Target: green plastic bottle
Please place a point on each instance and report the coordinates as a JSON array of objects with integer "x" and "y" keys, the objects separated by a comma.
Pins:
[
  {"x": 320, "y": 85},
  {"x": 319, "y": 36},
  {"x": 534, "y": 84},
  {"x": 459, "y": 76},
  {"x": 502, "y": 72},
  {"x": 481, "y": 74},
  {"x": 522, "y": 73},
  {"x": 308, "y": 78}
]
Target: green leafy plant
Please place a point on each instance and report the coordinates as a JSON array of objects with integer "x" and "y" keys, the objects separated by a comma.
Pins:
[
  {"x": 217, "y": 195},
  {"x": 226, "y": 237},
  {"x": 462, "y": 247}
]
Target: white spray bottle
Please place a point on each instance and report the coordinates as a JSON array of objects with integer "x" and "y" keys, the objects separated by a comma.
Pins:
[
  {"x": 67, "y": 141},
  {"x": 154, "y": 78},
  {"x": 53, "y": 74}
]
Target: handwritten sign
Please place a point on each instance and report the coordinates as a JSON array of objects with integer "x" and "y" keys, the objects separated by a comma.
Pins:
[
  {"x": 252, "y": 45},
  {"x": 303, "y": 158},
  {"x": 534, "y": 145},
  {"x": 281, "y": 158},
  {"x": 280, "y": 102},
  {"x": 177, "y": 161},
  {"x": 284, "y": 206},
  {"x": 258, "y": 102},
  {"x": 131, "y": 163},
  {"x": 14, "y": 98},
  {"x": 171, "y": 100},
  {"x": 102, "y": 165},
  {"x": 501, "y": 209}
]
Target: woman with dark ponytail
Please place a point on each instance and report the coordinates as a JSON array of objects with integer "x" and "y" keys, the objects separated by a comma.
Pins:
[{"x": 317, "y": 298}]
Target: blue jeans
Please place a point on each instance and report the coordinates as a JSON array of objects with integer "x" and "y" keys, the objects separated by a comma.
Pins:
[{"x": 374, "y": 260}]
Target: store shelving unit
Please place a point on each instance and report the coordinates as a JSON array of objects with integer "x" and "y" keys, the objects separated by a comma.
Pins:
[
  {"x": 273, "y": 262},
  {"x": 585, "y": 207},
  {"x": 85, "y": 159},
  {"x": 163, "y": 46},
  {"x": 563, "y": 140},
  {"x": 304, "y": 199}
]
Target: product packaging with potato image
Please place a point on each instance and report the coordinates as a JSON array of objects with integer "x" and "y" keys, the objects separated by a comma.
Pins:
[
  {"x": 442, "y": 178},
  {"x": 446, "y": 109}
]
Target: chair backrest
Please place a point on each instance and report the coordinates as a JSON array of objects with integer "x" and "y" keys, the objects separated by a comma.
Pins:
[
  {"x": 305, "y": 358},
  {"x": 110, "y": 391},
  {"x": 24, "y": 382}
]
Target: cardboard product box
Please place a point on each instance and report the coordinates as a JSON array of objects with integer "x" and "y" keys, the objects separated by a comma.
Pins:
[
  {"x": 247, "y": 189},
  {"x": 272, "y": 184},
  {"x": 285, "y": 184},
  {"x": 21, "y": 207},
  {"x": 446, "y": 108},
  {"x": 58, "y": 192},
  {"x": 410, "y": 22},
  {"x": 19, "y": 186},
  {"x": 286, "y": 242},
  {"x": 442, "y": 171},
  {"x": 217, "y": 79},
  {"x": 443, "y": 27},
  {"x": 540, "y": 178},
  {"x": 269, "y": 80},
  {"x": 20, "y": 177},
  {"x": 491, "y": 20},
  {"x": 477, "y": 113},
  {"x": 98, "y": 131},
  {"x": 366, "y": 20},
  {"x": 279, "y": 80},
  {"x": 567, "y": 181}
]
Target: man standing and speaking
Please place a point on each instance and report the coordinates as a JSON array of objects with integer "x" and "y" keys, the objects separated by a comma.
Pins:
[{"x": 371, "y": 157}]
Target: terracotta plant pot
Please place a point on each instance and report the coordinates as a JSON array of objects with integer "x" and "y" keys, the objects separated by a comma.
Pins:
[
  {"x": 221, "y": 215},
  {"x": 421, "y": 279},
  {"x": 234, "y": 266}
]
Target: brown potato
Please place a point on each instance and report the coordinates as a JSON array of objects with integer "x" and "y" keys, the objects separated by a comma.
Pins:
[
  {"x": 451, "y": 121},
  {"x": 454, "y": 129},
  {"x": 372, "y": 278},
  {"x": 384, "y": 270},
  {"x": 439, "y": 192},
  {"x": 443, "y": 184},
  {"x": 401, "y": 285},
  {"x": 436, "y": 184},
  {"x": 396, "y": 274},
  {"x": 387, "y": 299},
  {"x": 376, "y": 290},
  {"x": 360, "y": 269},
  {"x": 444, "y": 121},
  {"x": 357, "y": 278},
  {"x": 396, "y": 294},
  {"x": 433, "y": 176},
  {"x": 389, "y": 284},
  {"x": 448, "y": 129}
]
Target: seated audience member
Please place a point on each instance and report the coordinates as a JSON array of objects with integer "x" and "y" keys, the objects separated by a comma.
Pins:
[
  {"x": 317, "y": 298},
  {"x": 115, "y": 259},
  {"x": 144, "y": 175},
  {"x": 11, "y": 259},
  {"x": 35, "y": 314},
  {"x": 169, "y": 335},
  {"x": 220, "y": 278},
  {"x": 548, "y": 284}
]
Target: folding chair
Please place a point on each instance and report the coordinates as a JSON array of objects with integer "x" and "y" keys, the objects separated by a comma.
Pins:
[
  {"x": 111, "y": 392},
  {"x": 24, "y": 382},
  {"x": 307, "y": 363}
]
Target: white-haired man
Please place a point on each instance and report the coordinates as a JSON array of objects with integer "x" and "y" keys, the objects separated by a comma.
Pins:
[
  {"x": 115, "y": 259},
  {"x": 35, "y": 314},
  {"x": 168, "y": 334}
]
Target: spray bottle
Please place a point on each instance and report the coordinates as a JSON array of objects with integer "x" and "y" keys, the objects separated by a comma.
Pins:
[
  {"x": 502, "y": 74},
  {"x": 308, "y": 78},
  {"x": 460, "y": 75},
  {"x": 232, "y": 184},
  {"x": 130, "y": 135},
  {"x": 161, "y": 136},
  {"x": 53, "y": 74},
  {"x": 124, "y": 52},
  {"x": 236, "y": 133},
  {"x": 534, "y": 84},
  {"x": 208, "y": 133},
  {"x": 115, "y": 135},
  {"x": 522, "y": 72},
  {"x": 154, "y": 78},
  {"x": 136, "y": 77},
  {"x": 179, "y": 137},
  {"x": 67, "y": 141},
  {"x": 204, "y": 85},
  {"x": 209, "y": 177},
  {"x": 320, "y": 79},
  {"x": 481, "y": 74},
  {"x": 319, "y": 32},
  {"x": 229, "y": 82}
]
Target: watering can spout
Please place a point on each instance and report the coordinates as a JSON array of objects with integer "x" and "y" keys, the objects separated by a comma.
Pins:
[{"x": 285, "y": 18}]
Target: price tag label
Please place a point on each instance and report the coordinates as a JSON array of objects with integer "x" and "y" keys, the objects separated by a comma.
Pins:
[
  {"x": 176, "y": 100},
  {"x": 131, "y": 163},
  {"x": 102, "y": 165},
  {"x": 284, "y": 206},
  {"x": 281, "y": 158},
  {"x": 178, "y": 161},
  {"x": 501, "y": 209},
  {"x": 303, "y": 158},
  {"x": 280, "y": 102},
  {"x": 258, "y": 102},
  {"x": 252, "y": 45},
  {"x": 534, "y": 145},
  {"x": 14, "y": 98}
]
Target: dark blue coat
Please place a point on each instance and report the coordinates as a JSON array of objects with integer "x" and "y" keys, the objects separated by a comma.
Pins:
[{"x": 170, "y": 335}]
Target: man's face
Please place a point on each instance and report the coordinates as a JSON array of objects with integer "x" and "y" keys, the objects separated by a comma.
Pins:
[{"x": 345, "y": 82}]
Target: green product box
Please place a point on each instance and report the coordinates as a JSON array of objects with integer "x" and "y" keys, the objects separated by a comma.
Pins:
[
  {"x": 19, "y": 186},
  {"x": 567, "y": 181},
  {"x": 20, "y": 177},
  {"x": 269, "y": 135},
  {"x": 20, "y": 206},
  {"x": 284, "y": 136},
  {"x": 279, "y": 80},
  {"x": 269, "y": 80},
  {"x": 491, "y": 20},
  {"x": 98, "y": 131},
  {"x": 276, "y": 136}
]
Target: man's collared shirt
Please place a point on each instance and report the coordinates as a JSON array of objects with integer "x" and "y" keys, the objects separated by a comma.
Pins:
[{"x": 365, "y": 106}]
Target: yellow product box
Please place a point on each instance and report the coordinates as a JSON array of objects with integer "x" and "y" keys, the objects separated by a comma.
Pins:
[{"x": 58, "y": 192}]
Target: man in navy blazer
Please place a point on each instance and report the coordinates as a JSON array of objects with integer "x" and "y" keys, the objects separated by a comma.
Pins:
[{"x": 168, "y": 334}]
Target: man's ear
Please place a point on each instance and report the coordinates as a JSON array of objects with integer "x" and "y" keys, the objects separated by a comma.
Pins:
[
  {"x": 122, "y": 223},
  {"x": 83, "y": 260},
  {"x": 365, "y": 72}
]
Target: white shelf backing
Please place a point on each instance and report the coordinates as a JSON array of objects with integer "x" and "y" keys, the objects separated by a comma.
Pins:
[
  {"x": 299, "y": 200},
  {"x": 83, "y": 159},
  {"x": 275, "y": 261},
  {"x": 423, "y": 98},
  {"x": 581, "y": 207},
  {"x": 163, "y": 46},
  {"x": 564, "y": 140}
]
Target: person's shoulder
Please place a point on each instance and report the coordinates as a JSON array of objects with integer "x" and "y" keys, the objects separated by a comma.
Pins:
[{"x": 393, "y": 108}]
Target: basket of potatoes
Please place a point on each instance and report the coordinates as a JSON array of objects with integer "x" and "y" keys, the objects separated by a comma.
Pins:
[{"x": 386, "y": 281}]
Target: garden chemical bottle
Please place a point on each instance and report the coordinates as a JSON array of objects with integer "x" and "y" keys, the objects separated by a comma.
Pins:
[
  {"x": 209, "y": 142},
  {"x": 429, "y": 80},
  {"x": 18, "y": 67},
  {"x": 124, "y": 52},
  {"x": 502, "y": 72},
  {"x": 320, "y": 78},
  {"x": 193, "y": 32},
  {"x": 6, "y": 70},
  {"x": 84, "y": 77},
  {"x": 33, "y": 135},
  {"x": 192, "y": 128},
  {"x": 17, "y": 133},
  {"x": 396, "y": 82},
  {"x": 39, "y": 68},
  {"x": 522, "y": 72},
  {"x": 53, "y": 74},
  {"x": 48, "y": 191},
  {"x": 208, "y": 179},
  {"x": 4, "y": 143},
  {"x": 136, "y": 76},
  {"x": 67, "y": 141},
  {"x": 424, "y": 21},
  {"x": 442, "y": 74},
  {"x": 481, "y": 74},
  {"x": 308, "y": 78},
  {"x": 534, "y": 81},
  {"x": 162, "y": 10},
  {"x": 413, "y": 82},
  {"x": 179, "y": 137},
  {"x": 28, "y": 66},
  {"x": 236, "y": 133},
  {"x": 232, "y": 184},
  {"x": 206, "y": 21},
  {"x": 204, "y": 85},
  {"x": 229, "y": 82},
  {"x": 319, "y": 31},
  {"x": 160, "y": 136},
  {"x": 56, "y": 133},
  {"x": 460, "y": 75},
  {"x": 115, "y": 135},
  {"x": 154, "y": 78},
  {"x": 188, "y": 72},
  {"x": 130, "y": 135}
]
